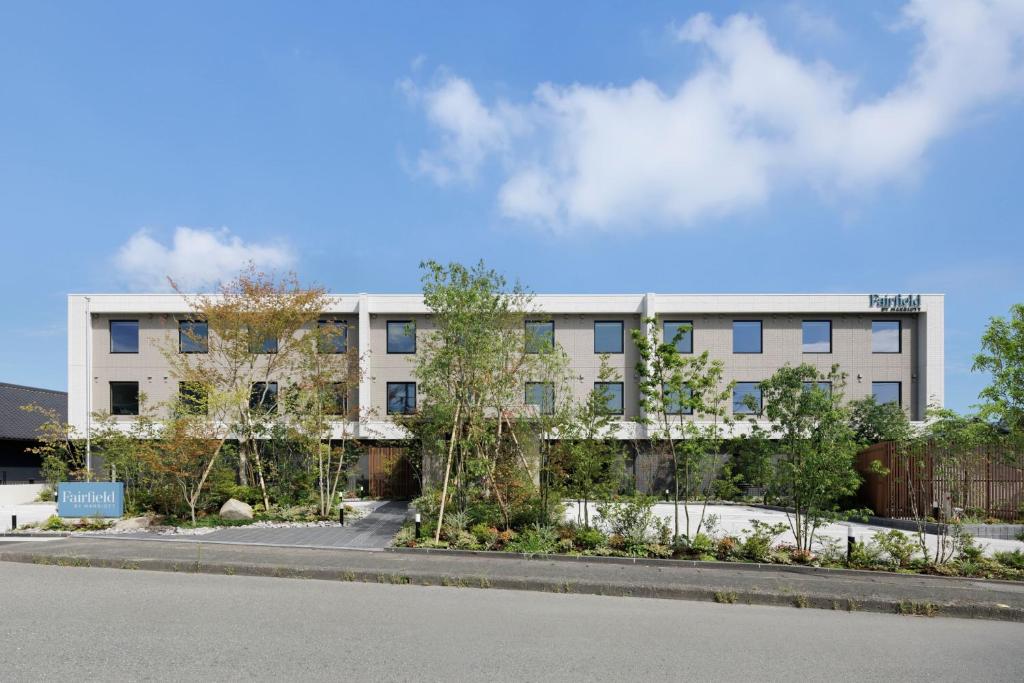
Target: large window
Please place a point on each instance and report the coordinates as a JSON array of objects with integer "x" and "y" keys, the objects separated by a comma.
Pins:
[
  {"x": 124, "y": 398},
  {"x": 746, "y": 398},
  {"x": 885, "y": 336},
  {"x": 193, "y": 336},
  {"x": 541, "y": 395},
  {"x": 401, "y": 398},
  {"x": 262, "y": 343},
  {"x": 124, "y": 336},
  {"x": 817, "y": 336},
  {"x": 337, "y": 403},
  {"x": 824, "y": 386},
  {"x": 887, "y": 392},
  {"x": 263, "y": 397},
  {"x": 401, "y": 336},
  {"x": 746, "y": 336},
  {"x": 540, "y": 335},
  {"x": 678, "y": 402},
  {"x": 684, "y": 329},
  {"x": 613, "y": 396},
  {"x": 192, "y": 398},
  {"x": 333, "y": 336},
  {"x": 608, "y": 336}
]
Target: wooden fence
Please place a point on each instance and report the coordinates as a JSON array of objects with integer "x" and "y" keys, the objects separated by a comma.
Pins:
[
  {"x": 390, "y": 474},
  {"x": 983, "y": 482}
]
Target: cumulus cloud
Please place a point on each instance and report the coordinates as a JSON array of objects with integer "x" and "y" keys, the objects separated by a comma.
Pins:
[
  {"x": 749, "y": 119},
  {"x": 196, "y": 259}
]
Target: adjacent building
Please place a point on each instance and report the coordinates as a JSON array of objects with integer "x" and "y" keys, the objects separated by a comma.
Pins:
[{"x": 20, "y": 429}]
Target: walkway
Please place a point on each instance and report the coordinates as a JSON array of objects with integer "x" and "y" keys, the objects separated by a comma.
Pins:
[{"x": 374, "y": 531}]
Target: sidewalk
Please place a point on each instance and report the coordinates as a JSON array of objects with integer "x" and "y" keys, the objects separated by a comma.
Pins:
[{"x": 728, "y": 583}]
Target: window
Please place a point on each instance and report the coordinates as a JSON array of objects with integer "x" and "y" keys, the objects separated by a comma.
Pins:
[
  {"x": 817, "y": 336},
  {"x": 613, "y": 395},
  {"x": 608, "y": 336},
  {"x": 263, "y": 397},
  {"x": 401, "y": 398},
  {"x": 124, "y": 336},
  {"x": 401, "y": 336},
  {"x": 683, "y": 328},
  {"x": 677, "y": 402},
  {"x": 887, "y": 392},
  {"x": 885, "y": 336},
  {"x": 746, "y": 398},
  {"x": 746, "y": 336},
  {"x": 193, "y": 336},
  {"x": 124, "y": 398},
  {"x": 333, "y": 336},
  {"x": 542, "y": 396},
  {"x": 262, "y": 343},
  {"x": 337, "y": 403},
  {"x": 192, "y": 398},
  {"x": 540, "y": 335},
  {"x": 821, "y": 386}
]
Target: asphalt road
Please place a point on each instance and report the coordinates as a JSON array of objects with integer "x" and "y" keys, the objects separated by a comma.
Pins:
[{"x": 78, "y": 623}]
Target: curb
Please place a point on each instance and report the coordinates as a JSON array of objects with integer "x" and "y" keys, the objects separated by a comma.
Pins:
[
  {"x": 607, "y": 588},
  {"x": 692, "y": 564}
]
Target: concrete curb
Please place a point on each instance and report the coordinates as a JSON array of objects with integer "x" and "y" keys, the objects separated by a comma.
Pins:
[
  {"x": 546, "y": 585},
  {"x": 838, "y": 572}
]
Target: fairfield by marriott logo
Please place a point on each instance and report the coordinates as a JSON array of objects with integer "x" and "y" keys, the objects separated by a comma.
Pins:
[
  {"x": 88, "y": 497},
  {"x": 895, "y": 303}
]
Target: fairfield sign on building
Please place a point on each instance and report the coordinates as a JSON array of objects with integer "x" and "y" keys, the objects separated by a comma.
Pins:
[{"x": 895, "y": 303}]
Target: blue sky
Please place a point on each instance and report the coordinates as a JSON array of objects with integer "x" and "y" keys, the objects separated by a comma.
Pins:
[{"x": 597, "y": 147}]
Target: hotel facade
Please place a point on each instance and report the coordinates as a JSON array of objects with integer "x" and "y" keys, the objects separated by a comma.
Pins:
[{"x": 889, "y": 345}]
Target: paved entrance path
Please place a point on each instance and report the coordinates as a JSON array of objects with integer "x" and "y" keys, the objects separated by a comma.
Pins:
[{"x": 374, "y": 531}]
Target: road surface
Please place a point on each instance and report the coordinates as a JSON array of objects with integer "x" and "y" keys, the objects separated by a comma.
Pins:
[{"x": 72, "y": 623}]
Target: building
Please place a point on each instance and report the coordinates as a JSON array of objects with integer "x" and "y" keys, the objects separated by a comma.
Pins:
[
  {"x": 19, "y": 429},
  {"x": 891, "y": 346}
]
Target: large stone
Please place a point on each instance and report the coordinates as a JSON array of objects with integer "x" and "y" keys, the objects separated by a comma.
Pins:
[
  {"x": 132, "y": 524},
  {"x": 235, "y": 509}
]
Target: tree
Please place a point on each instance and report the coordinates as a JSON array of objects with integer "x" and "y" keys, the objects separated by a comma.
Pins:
[
  {"x": 184, "y": 453},
  {"x": 471, "y": 370},
  {"x": 1002, "y": 355},
  {"x": 671, "y": 385},
  {"x": 243, "y": 339},
  {"x": 325, "y": 371},
  {"x": 873, "y": 422},
  {"x": 62, "y": 455},
  {"x": 587, "y": 462},
  {"x": 816, "y": 445}
]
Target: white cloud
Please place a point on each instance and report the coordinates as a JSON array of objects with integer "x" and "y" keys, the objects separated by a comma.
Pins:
[
  {"x": 196, "y": 259},
  {"x": 748, "y": 120}
]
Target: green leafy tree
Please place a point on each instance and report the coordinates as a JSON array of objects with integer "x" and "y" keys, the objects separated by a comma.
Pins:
[
  {"x": 471, "y": 370},
  {"x": 815, "y": 443},
  {"x": 588, "y": 461},
  {"x": 875, "y": 422},
  {"x": 671, "y": 385},
  {"x": 1002, "y": 356}
]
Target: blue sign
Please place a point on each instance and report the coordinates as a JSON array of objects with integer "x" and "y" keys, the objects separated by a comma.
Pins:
[{"x": 90, "y": 499}]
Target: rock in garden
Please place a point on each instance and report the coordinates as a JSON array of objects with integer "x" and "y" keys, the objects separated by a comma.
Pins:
[
  {"x": 235, "y": 509},
  {"x": 132, "y": 524}
]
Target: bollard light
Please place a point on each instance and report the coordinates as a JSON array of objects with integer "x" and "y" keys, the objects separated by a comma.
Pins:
[
  {"x": 14, "y": 522},
  {"x": 341, "y": 514},
  {"x": 850, "y": 542},
  {"x": 417, "y": 525}
]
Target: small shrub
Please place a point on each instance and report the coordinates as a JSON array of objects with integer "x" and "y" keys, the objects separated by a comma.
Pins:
[
  {"x": 702, "y": 544},
  {"x": 725, "y": 548},
  {"x": 463, "y": 540},
  {"x": 590, "y": 538},
  {"x": 897, "y": 545},
  {"x": 757, "y": 546},
  {"x": 866, "y": 555},
  {"x": 725, "y": 597},
  {"x": 45, "y": 494},
  {"x": 53, "y": 523},
  {"x": 486, "y": 535},
  {"x": 1014, "y": 559},
  {"x": 539, "y": 540},
  {"x": 967, "y": 548},
  {"x": 631, "y": 518}
]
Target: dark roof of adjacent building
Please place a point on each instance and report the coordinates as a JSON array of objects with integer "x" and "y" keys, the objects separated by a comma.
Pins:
[{"x": 23, "y": 425}]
